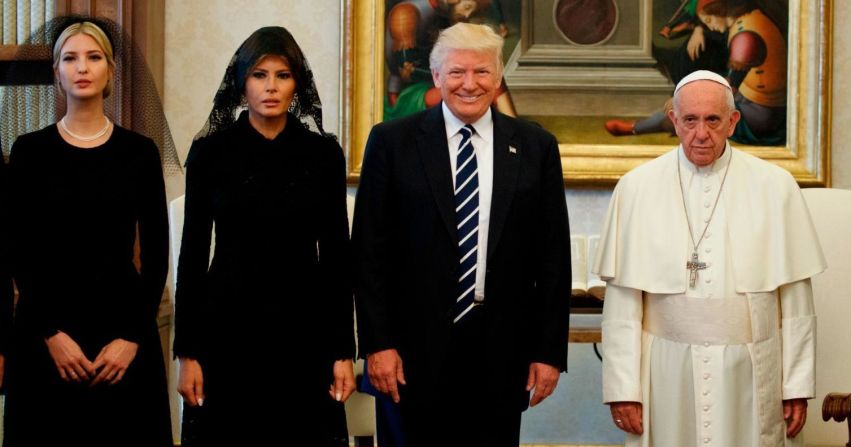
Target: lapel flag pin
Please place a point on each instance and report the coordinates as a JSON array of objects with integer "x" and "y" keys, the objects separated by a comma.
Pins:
[{"x": 512, "y": 149}]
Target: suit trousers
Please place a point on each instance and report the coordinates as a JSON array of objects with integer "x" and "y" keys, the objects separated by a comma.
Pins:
[{"x": 468, "y": 413}]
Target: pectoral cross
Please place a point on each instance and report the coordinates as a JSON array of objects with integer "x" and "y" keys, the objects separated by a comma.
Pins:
[{"x": 693, "y": 266}]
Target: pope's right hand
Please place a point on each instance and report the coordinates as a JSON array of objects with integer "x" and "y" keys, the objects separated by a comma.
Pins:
[{"x": 627, "y": 416}]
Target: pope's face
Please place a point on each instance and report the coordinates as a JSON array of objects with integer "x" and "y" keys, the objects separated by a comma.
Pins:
[{"x": 703, "y": 120}]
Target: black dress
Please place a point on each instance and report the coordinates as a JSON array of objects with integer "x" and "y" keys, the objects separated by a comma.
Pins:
[
  {"x": 273, "y": 311},
  {"x": 6, "y": 302},
  {"x": 76, "y": 216}
]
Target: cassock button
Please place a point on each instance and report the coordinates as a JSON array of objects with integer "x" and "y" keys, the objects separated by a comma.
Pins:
[
  {"x": 706, "y": 344},
  {"x": 706, "y": 188},
  {"x": 705, "y": 392},
  {"x": 708, "y": 280},
  {"x": 706, "y": 360},
  {"x": 706, "y": 440},
  {"x": 706, "y": 424},
  {"x": 706, "y": 219},
  {"x": 708, "y": 249},
  {"x": 706, "y": 204},
  {"x": 706, "y": 376},
  {"x": 706, "y": 408}
]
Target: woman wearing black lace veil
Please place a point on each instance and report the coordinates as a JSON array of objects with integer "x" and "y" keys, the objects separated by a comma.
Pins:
[
  {"x": 85, "y": 366},
  {"x": 277, "y": 291}
]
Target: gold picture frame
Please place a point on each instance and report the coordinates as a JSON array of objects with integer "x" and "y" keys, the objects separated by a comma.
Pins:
[{"x": 806, "y": 154}]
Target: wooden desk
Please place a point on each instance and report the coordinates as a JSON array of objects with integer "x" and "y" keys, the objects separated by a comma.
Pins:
[
  {"x": 585, "y": 335},
  {"x": 585, "y": 327}
]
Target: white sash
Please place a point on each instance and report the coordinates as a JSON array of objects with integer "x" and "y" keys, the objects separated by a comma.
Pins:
[{"x": 724, "y": 321}]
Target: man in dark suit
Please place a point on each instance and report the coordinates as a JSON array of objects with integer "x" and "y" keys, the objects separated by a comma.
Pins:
[{"x": 463, "y": 267}]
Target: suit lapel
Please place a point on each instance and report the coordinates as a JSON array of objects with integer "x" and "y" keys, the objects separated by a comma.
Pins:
[
  {"x": 506, "y": 168},
  {"x": 434, "y": 153}
]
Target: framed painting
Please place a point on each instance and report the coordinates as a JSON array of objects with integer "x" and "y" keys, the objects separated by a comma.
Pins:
[{"x": 593, "y": 79}]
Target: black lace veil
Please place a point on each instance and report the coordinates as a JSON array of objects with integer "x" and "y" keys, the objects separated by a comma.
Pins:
[
  {"x": 134, "y": 102},
  {"x": 229, "y": 100}
]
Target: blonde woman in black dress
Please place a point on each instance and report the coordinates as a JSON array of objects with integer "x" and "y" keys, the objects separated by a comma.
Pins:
[{"x": 85, "y": 366}]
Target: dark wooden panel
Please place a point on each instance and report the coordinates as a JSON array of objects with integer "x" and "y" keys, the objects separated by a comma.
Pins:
[{"x": 27, "y": 73}]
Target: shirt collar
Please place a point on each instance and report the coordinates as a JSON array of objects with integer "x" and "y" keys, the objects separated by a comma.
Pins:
[{"x": 483, "y": 126}]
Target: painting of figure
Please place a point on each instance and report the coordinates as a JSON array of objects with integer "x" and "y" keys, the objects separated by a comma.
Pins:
[
  {"x": 742, "y": 40},
  {"x": 411, "y": 27}
]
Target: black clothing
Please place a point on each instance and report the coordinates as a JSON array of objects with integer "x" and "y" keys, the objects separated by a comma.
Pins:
[
  {"x": 277, "y": 290},
  {"x": 6, "y": 296},
  {"x": 77, "y": 213},
  {"x": 471, "y": 410},
  {"x": 407, "y": 270}
]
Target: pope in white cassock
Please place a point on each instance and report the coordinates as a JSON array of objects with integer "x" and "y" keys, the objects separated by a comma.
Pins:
[{"x": 708, "y": 323}]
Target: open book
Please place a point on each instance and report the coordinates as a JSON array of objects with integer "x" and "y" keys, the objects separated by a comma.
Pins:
[{"x": 583, "y": 250}]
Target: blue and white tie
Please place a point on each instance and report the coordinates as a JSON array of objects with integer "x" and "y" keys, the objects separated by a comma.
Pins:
[{"x": 467, "y": 219}]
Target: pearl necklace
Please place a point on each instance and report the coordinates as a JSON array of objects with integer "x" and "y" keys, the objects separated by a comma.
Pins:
[{"x": 99, "y": 134}]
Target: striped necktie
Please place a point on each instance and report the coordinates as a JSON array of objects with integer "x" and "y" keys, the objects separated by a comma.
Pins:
[{"x": 467, "y": 219}]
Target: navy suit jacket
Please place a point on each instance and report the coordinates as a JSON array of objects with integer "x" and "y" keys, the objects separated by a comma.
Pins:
[{"x": 407, "y": 258}]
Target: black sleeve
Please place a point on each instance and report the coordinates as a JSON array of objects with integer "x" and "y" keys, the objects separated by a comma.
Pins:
[
  {"x": 30, "y": 248},
  {"x": 142, "y": 304},
  {"x": 552, "y": 283},
  {"x": 335, "y": 254},
  {"x": 6, "y": 295},
  {"x": 194, "y": 257},
  {"x": 372, "y": 249}
]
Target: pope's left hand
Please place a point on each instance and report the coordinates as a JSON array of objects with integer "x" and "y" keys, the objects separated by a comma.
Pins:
[{"x": 795, "y": 414}]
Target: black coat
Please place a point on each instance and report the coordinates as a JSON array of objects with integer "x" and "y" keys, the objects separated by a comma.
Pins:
[
  {"x": 76, "y": 217},
  {"x": 407, "y": 262},
  {"x": 277, "y": 291},
  {"x": 6, "y": 300}
]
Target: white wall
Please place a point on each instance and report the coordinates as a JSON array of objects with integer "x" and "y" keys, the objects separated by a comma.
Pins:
[
  {"x": 838, "y": 309},
  {"x": 817, "y": 431},
  {"x": 841, "y": 133}
]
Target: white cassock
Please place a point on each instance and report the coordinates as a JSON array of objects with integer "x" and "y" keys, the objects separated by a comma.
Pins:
[{"x": 712, "y": 363}]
